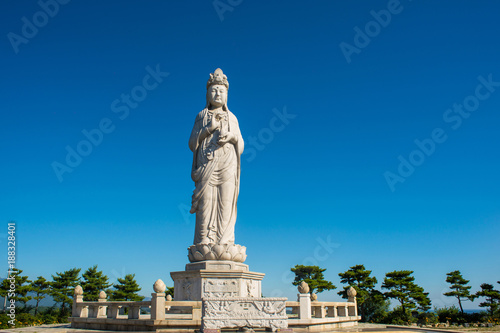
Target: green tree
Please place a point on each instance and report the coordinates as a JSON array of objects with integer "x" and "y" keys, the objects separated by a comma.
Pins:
[
  {"x": 93, "y": 282},
  {"x": 376, "y": 308},
  {"x": 41, "y": 287},
  {"x": 492, "y": 297},
  {"x": 22, "y": 286},
  {"x": 126, "y": 289},
  {"x": 402, "y": 288},
  {"x": 313, "y": 276},
  {"x": 359, "y": 278},
  {"x": 459, "y": 288},
  {"x": 169, "y": 291},
  {"x": 63, "y": 286}
]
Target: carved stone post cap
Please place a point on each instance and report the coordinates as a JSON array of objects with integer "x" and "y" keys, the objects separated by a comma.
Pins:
[
  {"x": 102, "y": 295},
  {"x": 159, "y": 286},
  {"x": 303, "y": 287},
  {"x": 351, "y": 292},
  {"x": 314, "y": 297},
  {"x": 78, "y": 290},
  {"x": 169, "y": 298}
]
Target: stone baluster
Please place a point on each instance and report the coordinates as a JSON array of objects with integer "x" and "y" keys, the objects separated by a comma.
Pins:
[
  {"x": 332, "y": 311},
  {"x": 93, "y": 310},
  {"x": 134, "y": 311},
  {"x": 158, "y": 301},
  {"x": 113, "y": 311},
  {"x": 341, "y": 311},
  {"x": 319, "y": 311}
]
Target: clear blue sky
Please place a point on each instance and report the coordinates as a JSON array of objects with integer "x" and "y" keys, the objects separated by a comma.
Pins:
[{"x": 355, "y": 101}]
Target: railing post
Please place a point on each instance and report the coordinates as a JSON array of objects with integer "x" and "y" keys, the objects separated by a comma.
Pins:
[
  {"x": 305, "y": 306},
  {"x": 158, "y": 306},
  {"x": 351, "y": 297},
  {"x": 101, "y": 312},
  {"x": 158, "y": 300},
  {"x": 77, "y": 309}
]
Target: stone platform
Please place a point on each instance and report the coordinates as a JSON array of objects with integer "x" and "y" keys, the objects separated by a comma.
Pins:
[
  {"x": 212, "y": 278},
  {"x": 362, "y": 327}
]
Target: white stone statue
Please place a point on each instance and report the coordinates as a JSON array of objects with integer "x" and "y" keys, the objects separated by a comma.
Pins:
[{"x": 217, "y": 144}]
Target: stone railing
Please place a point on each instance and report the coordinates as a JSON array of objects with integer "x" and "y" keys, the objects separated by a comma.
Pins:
[
  {"x": 159, "y": 306},
  {"x": 322, "y": 309},
  {"x": 306, "y": 312},
  {"x": 161, "y": 312}
]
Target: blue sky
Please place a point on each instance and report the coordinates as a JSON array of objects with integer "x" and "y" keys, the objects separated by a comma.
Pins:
[{"x": 331, "y": 97}]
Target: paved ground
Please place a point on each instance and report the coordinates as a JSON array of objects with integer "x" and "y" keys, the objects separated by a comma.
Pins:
[{"x": 363, "y": 327}]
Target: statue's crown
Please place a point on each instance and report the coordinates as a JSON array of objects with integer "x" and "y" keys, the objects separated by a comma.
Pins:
[{"x": 218, "y": 77}]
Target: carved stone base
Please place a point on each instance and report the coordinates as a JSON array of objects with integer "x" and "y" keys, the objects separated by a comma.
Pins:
[
  {"x": 216, "y": 279},
  {"x": 241, "y": 312}
]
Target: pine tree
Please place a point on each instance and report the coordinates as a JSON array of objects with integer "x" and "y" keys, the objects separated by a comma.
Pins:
[
  {"x": 169, "y": 291},
  {"x": 41, "y": 287},
  {"x": 93, "y": 282},
  {"x": 459, "y": 287},
  {"x": 313, "y": 276},
  {"x": 492, "y": 296},
  {"x": 402, "y": 288},
  {"x": 63, "y": 286},
  {"x": 22, "y": 286},
  {"x": 359, "y": 278},
  {"x": 126, "y": 289}
]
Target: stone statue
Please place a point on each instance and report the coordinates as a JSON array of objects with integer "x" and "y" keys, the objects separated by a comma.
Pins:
[{"x": 216, "y": 144}]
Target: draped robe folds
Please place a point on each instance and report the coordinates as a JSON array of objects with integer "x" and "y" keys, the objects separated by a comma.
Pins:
[{"x": 216, "y": 173}]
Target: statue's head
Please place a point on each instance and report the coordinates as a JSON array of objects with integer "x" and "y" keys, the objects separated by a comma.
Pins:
[{"x": 217, "y": 87}]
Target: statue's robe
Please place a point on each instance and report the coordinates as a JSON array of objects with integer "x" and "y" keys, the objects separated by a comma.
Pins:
[{"x": 216, "y": 173}]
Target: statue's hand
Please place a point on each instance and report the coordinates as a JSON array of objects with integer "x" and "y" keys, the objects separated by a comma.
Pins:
[
  {"x": 230, "y": 137},
  {"x": 214, "y": 125}
]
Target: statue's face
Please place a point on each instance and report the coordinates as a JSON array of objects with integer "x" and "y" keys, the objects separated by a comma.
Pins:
[{"x": 217, "y": 95}]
